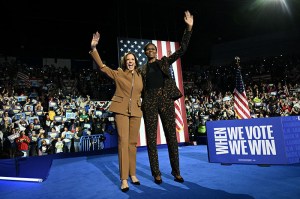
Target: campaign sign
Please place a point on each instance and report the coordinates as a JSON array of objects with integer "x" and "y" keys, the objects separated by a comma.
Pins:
[
  {"x": 291, "y": 135},
  {"x": 274, "y": 140},
  {"x": 21, "y": 98},
  {"x": 70, "y": 115}
]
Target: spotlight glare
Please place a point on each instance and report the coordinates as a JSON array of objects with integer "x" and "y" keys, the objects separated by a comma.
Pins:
[{"x": 21, "y": 179}]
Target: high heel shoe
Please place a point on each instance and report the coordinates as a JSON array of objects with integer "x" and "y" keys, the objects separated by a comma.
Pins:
[
  {"x": 157, "y": 180},
  {"x": 135, "y": 181},
  {"x": 178, "y": 179},
  {"x": 124, "y": 186},
  {"x": 125, "y": 189}
]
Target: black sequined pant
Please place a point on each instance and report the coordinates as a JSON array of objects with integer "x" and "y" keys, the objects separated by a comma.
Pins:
[{"x": 156, "y": 103}]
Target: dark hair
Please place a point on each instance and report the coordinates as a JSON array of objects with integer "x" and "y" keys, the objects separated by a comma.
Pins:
[
  {"x": 145, "y": 48},
  {"x": 123, "y": 61}
]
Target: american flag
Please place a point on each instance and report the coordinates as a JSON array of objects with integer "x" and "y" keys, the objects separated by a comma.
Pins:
[
  {"x": 241, "y": 107},
  {"x": 25, "y": 78},
  {"x": 163, "y": 47},
  {"x": 178, "y": 112}
]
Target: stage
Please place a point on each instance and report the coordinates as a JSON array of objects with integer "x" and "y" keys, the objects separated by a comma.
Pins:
[{"x": 97, "y": 176}]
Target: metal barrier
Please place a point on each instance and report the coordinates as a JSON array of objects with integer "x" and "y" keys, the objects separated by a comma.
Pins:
[{"x": 92, "y": 142}]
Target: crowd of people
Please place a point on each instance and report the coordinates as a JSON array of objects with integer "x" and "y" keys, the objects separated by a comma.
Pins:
[
  {"x": 54, "y": 127},
  {"x": 33, "y": 110},
  {"x": 271, "y": 85}
]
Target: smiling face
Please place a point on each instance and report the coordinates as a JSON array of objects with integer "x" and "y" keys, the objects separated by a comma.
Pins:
[
  {"x": 150, "y": 51},
  {"x": 130, "y": 62}
]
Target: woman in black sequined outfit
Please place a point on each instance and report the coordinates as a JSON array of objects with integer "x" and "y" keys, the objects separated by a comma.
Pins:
[{"x": 160, "y": 92}]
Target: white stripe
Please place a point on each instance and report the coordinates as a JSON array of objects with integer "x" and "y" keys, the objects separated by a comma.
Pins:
[
  {"x": 181, "y": 132},
  {"x": 178, "y": 112},
  {"x": 164, "y": 48},
  {"x": 142, "y": 133},
  {"x": 181, "y": 135},
  {"x": 162, "y": 133},
  {"x": 243, "y": 104},
  {"x": 240, "y": 112},
  {"x": 242, "y": 97},
  {"x": 179, "y": 125},
  {"x": 240, "y": 104},
  {"x": 154, "y": 42}
]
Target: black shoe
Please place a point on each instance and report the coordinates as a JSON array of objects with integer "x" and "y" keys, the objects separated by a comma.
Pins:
[
  {"x": 136, "y": 183},
  {"x": 178, "y": 179},
  {"x": 125, "y": 189},
  {"x": 158, "y": 181}
]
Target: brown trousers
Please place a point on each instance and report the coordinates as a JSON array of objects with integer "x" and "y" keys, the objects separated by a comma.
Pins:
[{"x": 128, "y": 129}]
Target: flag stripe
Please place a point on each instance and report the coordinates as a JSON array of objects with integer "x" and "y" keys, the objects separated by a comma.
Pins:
[
  {"x": 142, "y": 135},
  {"x": 168, "y": 47},
  {"x": 241, "y": 107},
  {"x": 241, "y": 97},
  {"x": 159, "y": 49},
  {"x": 178, "y": 110},
  {"x": 160, "y": 133},
  {"x": 178, "y": 78}
]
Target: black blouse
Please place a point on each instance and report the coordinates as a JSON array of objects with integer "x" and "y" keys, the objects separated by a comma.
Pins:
[{"x": 155, "y": 77}]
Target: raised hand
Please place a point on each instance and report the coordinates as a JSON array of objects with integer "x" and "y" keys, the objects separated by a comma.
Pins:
[
  {"x": 188, "y": 19},
  {"x": 95, "y": 40}
]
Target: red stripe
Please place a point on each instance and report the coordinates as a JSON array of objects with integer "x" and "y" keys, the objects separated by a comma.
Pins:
[
  {"x": 159, "y": 50},
  {"x": 168, "y": 46},
  {"x": 240, "y": 109},
  {"x": 182, "y": 103},
  {"x": 139, "y": 139},
  {"x": 245, "y": 108},
  {"x": 178, "y": 118}
]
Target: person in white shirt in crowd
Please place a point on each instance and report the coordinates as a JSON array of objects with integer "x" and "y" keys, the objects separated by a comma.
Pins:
[
  {"x": 67, "y": 137},
  {"x": 59, "y": 145}
]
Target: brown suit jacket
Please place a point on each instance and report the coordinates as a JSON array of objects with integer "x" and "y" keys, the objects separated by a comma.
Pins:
[{"x": 129, "y": 86}]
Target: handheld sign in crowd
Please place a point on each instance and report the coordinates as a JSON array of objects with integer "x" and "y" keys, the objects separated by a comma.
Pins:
[
  {"x": 21, "y": 98},
  {"x": 274, "y": 140}
]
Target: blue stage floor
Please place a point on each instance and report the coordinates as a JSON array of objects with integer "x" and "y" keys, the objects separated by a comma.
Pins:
[{"x": 97, "y": 176}]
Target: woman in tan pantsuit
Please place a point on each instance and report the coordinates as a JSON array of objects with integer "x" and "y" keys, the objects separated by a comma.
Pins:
[{"x": 126, "y": 104}]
